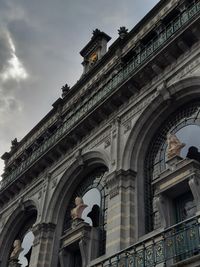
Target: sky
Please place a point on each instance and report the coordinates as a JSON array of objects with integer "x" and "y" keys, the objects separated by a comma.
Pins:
[{"x": 40, "y": 42}]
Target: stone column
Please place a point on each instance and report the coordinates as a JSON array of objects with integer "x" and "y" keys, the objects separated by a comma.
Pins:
[
  {"x": 194, "y": 183},
  {"x": 163, "y": 206},
  {"x": 42, "y": 250},
  {"x": 121, "y": 211}
]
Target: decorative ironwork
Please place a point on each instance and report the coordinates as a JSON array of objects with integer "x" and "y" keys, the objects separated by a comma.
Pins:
[
  {"x": 82, "y": 109},
  {"x": 173, "y": 244}
]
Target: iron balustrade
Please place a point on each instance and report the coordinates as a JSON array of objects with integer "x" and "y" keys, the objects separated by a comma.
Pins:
[
  {"x": 141, "y": 56},
  {"x": 173, "y": 245}
]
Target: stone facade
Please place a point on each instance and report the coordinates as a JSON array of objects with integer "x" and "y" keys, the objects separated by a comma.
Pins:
[{"x": 110, "y": 121}]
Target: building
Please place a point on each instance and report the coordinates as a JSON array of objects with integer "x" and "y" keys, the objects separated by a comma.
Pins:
[{"x": 123, "y": 140}]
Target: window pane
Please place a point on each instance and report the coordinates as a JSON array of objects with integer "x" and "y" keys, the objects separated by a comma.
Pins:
[
  {"x": 91, "y": 198},
  {"x": 26, "y": 245},
  {"x": 190, "y": 135}
]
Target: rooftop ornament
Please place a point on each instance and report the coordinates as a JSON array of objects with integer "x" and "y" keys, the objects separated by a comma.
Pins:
[
  {"x": 14, "y": 143},
  {"x": 96, "y": 32},
  {"x": 123, "y": 31},
  {"x": 65, "y": 89}
]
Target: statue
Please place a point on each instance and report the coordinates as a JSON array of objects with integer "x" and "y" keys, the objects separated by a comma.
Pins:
[
  {"x": 174, "y": 146},
  {"x": 17, "y": 249},
  {"x": 76, "y": 213},
  {"x": 94, "y": 215},
  {"x": 193, "y": 153}
]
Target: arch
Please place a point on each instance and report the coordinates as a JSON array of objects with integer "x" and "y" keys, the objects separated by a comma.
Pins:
[
  {"x": 14, "y": 224},
  {"x": 82, "y": 166},
  {"x": 147, "y": 124},
  {"x": 89, "y": 160},
  {"x": 149, "y": 121}
]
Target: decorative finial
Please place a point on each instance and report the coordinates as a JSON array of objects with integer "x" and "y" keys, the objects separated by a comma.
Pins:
[
  {"x": 96, "y": 32},
  {"x": 14, "y": 143},
  {"x": 65, "y": 90},
  {"x": 123, "y": 31}
]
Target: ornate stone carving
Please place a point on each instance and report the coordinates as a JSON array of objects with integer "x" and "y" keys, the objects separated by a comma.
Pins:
[
  {"x": 107, "y": 143},
  {"x": 14, "y": 143},
  {"x": 65, "y": 89},
  {"x": 163, "y": 90},
  {"x": 122, "y": 32},
  {"x": 76, "y": 213},
  {"x": 174, "y": 146},
  {"x": 79, "y": 157},
  {"x": 127, "y": 126}
]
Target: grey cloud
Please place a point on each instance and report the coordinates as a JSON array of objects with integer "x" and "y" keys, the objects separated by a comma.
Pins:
[
  {"x": 48, "y": 36},
  {"x": 5, "y": 51}
]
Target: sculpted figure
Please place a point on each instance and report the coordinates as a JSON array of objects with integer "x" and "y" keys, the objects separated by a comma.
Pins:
[
  {"x": 17, "y": 249},
  {"x": 174, "y": 146},
  {"x": 78, "y": 210}
]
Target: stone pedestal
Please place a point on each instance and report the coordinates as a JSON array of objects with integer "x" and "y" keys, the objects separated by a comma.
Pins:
[
  {"x": 14, "y": 263},
  {"x": 76, "y": 222},
  {"x": 79, "y": 245},
  {"x": 172, "y": 162}
]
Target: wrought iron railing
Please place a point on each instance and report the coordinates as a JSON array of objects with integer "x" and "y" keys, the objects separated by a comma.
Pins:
[
  {"x": 87, "y": 105},
  {"x": 177, "y": 243}
]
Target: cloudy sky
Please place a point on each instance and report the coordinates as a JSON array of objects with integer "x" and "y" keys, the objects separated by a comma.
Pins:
[{"x": 40, "y": 42}]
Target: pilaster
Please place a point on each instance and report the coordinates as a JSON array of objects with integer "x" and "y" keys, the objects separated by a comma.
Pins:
[
  {"x": 42, "y": 250},
  {"x": 121, "y": 210}
]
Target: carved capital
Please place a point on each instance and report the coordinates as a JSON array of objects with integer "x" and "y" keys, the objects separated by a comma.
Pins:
[
  {"x": 43, "y": 231},
  {"x": 79, "y": 157},
  {"x": 164, "y": 91},
  {"x": 119, "y": 179}
]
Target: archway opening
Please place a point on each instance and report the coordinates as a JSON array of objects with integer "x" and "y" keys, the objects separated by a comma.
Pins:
[
  {"x": 185, "y": 124},
  {"x": 22, "y": 242}
]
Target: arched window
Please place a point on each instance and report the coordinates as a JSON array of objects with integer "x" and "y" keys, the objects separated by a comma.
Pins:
[
  {"x": 93, "y": 191},
  {"x": 21, "y": 247},
  {"x": 185, "y": 124}
]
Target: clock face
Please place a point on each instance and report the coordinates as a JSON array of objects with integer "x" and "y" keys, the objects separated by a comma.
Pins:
[{"x": 93, "y": 58}]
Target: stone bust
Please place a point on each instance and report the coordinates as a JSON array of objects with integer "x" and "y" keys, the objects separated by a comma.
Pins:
[
  {"x": 17, "y": 249},
  {"x": 174, "y": 146},
  {"x": 76, "y": 213}
]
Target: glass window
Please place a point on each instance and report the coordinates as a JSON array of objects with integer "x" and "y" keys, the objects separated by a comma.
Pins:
[
  {"x": 27, "y": 243},
  {"x": 91, "y": 214}
]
